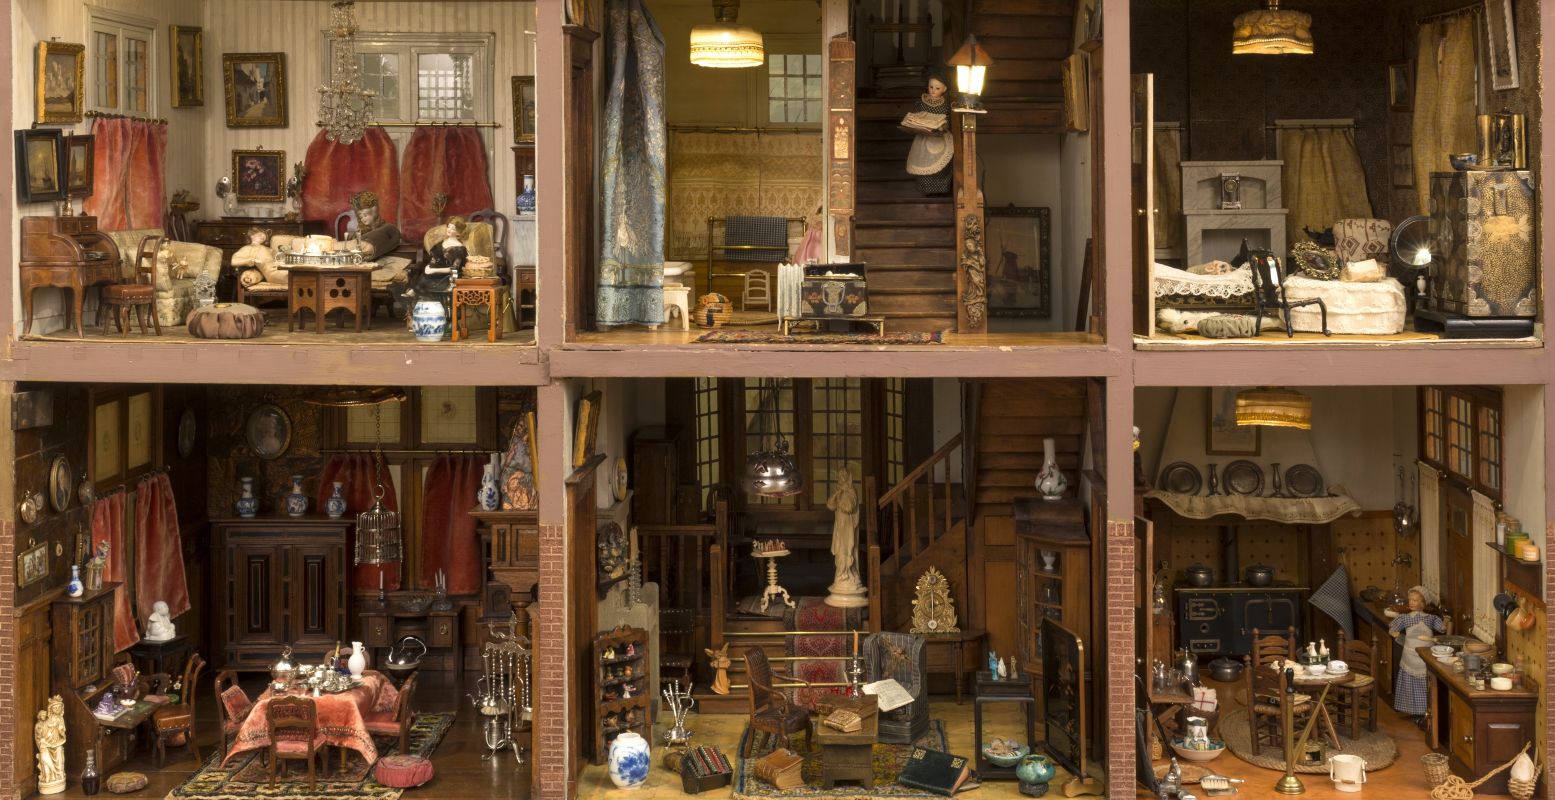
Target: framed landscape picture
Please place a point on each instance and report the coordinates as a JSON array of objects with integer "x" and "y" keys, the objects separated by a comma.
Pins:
[
  {"x": 1020, "y": 269},
  {"x": 78, "y": 165},
  {"x": 187, "y": 45},
  {"x": 260, "y": 175},
  {"x": 61, "y": 66},
  {"x": 1222, "y": 436},
  {"x": 523, "y": 109},
  {"x": 255, "y": 86},
  {"x": 39, "y": 168}
]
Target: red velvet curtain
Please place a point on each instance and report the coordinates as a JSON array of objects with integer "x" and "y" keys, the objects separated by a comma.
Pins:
[
  {"x": 336, "y": 172},
  {"x": 360, "y": 474},
  {"x": 159, "y": 550},
  {"x": 128, "y": 173},
  {"x": 108, "y": 526},
  {"x": 448, "y": 540},
  {"x": 447, "y": 160}
]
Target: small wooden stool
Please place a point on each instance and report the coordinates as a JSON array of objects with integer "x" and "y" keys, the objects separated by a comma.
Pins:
[
  {"x": 477, "y": 292},
  {"x": 678, "y": 299}
]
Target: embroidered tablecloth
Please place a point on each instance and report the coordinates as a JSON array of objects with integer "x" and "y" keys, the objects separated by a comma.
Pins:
[{"x": 341, "y": 717}]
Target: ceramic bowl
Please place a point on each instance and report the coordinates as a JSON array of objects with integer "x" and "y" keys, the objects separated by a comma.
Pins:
[
  {"x": 1006, "y": 760},
  {"x": 1317, "y": 669},
  {"x": 1191, "y": 754},
  {"x": 1441, "y": 650},
  {"x": 1501, "y": 669},
  {"x": 1501, "y": 683},
  {"x": 1463, "y": 161},
  {"x": 1476, "y": 647},
  {"x": 1338, "y": 667}
]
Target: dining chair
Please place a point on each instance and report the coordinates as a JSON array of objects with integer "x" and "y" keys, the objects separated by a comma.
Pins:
[
  {"x": 293, "y": 725},
  {"x": 1267, "y": 692},
  {"x": 1269, "y": 646},
  {"x": 1360, "y": 694},
  {"x": 232, "y": 706},
  {"x": 397, "y": 720},
  {"x": 137, "y": 293},
  {"x": 172, "y": 720},
  {"x": 772, "y": 713}
]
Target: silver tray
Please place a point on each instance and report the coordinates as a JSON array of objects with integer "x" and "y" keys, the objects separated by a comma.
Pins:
[{"x": 345, "y": 258}]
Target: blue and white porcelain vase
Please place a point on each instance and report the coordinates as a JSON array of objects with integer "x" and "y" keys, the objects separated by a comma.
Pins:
[
  {"x": 488, "y": 496},
  {"x": 629, "y": 760},
  {"x": 296, "y": 499},
  {"x": 335, "y": 504},
  {"x": 75, "y": 588},
  {"x": 526, "y": 198},
  {"x": 430, "y": 320},
  {"x": 248, "y": 504}
]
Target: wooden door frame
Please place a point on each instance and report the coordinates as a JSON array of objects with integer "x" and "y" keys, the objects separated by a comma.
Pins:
[{"x": 584, "y": 602}]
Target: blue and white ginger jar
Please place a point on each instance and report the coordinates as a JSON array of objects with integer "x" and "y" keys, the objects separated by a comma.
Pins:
[
  {"x": 429, "y": 320},
  {"x": 629, "y": 760}
]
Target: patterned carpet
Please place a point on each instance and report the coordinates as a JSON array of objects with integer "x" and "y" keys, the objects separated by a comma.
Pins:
[
  {"x": 246, "y": 777},
  {"x": 773, "y": 337},
  {"x": 888, "y": 758}
]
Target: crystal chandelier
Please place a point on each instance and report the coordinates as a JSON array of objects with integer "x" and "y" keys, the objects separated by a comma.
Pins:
[{"x": 345, "y": 108}]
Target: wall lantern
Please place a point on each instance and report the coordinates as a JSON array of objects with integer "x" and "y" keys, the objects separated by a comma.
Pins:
[{"x": 971, "y": 63}]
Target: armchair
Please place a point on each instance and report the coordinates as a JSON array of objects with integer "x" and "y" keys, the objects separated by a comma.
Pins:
[
  {"x": 900, "y": 656},
  {"x": 772, "y": 712}
]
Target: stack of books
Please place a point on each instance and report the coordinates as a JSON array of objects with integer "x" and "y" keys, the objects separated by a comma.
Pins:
[
  {"x": 781, "y": 769},
  {"x": 704, "y": 768}
]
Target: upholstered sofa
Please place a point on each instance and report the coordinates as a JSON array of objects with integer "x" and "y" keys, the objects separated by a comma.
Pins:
[
  {"x": 174, "y": 281},
  {"x": 257, "y": 284}
]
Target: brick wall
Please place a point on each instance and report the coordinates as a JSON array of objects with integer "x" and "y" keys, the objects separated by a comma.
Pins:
[
  {"x": 1119, "y": 719},
  {"x": 1549, "y": 655},
  {"x": 8, "y": 660},
  {"x": 551, "y": 743}
]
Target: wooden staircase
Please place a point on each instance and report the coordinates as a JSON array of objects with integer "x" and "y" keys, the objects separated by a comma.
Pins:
[
  {"x": 1013, "y": 417},
  {"x": 919, "y": 523},
  {"x": 907, "y": 241},
  {"x": 1028, "y": 40}
]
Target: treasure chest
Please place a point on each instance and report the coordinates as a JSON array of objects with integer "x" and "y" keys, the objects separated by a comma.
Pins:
[
  {"x": 1483, "y": 223},
  {"x": 833, "y": 291}
]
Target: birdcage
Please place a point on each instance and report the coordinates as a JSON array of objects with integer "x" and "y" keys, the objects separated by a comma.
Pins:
[{"x": 378, "y": 539}]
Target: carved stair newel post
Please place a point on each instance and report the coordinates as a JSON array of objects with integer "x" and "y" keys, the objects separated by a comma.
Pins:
[
  {"x": 971, "y": 261},
  {"x": 841, "y": 150}
]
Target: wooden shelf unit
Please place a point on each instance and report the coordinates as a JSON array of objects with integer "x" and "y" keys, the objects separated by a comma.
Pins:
[{"x": 639, "y": 706}]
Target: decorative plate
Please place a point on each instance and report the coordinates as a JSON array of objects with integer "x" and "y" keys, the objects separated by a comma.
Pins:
[
  {"x": 618, "y": 480},
  {"x": 62, "y": 483},
  {"x": 1244, "y": 477},
  {"x": 1303, "y": 480},
  {"x": 1181, "y": 478}
]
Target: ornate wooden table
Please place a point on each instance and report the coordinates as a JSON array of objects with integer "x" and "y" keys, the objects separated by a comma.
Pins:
[
  {"x": 325, "y": 289},
  {"x": 469, "y": 292}
]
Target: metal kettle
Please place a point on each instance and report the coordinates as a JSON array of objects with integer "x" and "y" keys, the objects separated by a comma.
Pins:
[
  {"x": 400, "y": 654},
  {"x": 283, "y": 671}
]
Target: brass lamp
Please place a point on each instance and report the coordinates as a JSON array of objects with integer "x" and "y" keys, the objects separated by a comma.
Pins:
[
  {"x": 971, "y": 63},
  {"x": 725, "y": 44},
  {"x": 1272, "y": 31},
  {"x": 1273, "y": 407}
]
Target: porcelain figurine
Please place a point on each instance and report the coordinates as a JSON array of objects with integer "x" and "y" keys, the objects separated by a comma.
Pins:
[
  {"x": 358, "y": 660},
  {"x": 74, "y": 587},
  {"x": 846, "y": 590},
  {"x": 488, "y": 496},
  {"x": 159, "y": 626},
  {"x": 933, "y": 146},
  {"x": 434, "y": 280},
  {"x": 296, "y": 499},
  {"x": 335, "y": 505},
  {"x": 248, "y": 504},
  {"x": 49, "y": 736},
  {"x": 993, "y": 664},
  {"x": 1004, "y": 670},
  {"x": 1051, "y": 481},
  {"x": 374, "y": 237},
  {"x": 629, "y": 760}
]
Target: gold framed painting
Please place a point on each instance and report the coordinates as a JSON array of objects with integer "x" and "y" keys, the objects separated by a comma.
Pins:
[
  {"x": 587, "y": 428},
  {"x": 78, "y": 165},
  {"x": 260, "y": 175},
  {"x": 255, "y": 85},
  {"x": 523, "y": 109},
  {"x": 32, "y": 564},
  {"x": 186, "y": 44},
  {"x": 39, "y": 165},
  {"x": 61, "y": 71},
  {"x": 107, "y": 445},
  {"x": 138, "y": 432}
]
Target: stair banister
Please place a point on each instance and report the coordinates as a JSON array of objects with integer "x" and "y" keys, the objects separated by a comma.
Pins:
[{"x": 971, "y": 256}]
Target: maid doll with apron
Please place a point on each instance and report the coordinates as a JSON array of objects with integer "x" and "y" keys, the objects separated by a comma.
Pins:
[{"x": 1414, "y": 629}]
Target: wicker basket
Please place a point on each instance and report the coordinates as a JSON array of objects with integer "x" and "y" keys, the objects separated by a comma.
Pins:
[
  {"x": 1436, "y": 769},
  {"x": 478, "y": 267},
  {"x": 1521, "y": 790},
  {"x": 713, "y": 311}
]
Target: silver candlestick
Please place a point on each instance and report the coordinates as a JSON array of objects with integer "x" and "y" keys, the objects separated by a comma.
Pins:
[{"x": 856, "y": 676}]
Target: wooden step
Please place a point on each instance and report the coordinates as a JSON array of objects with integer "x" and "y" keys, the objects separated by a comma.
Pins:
[
  {"x": 1003, "y": 495},
  {"x": 908, "y": 281},
  {"x": 891, "y": 256},
  {"x": 1021, "y": 26},
  {"x": 906, "y": 211},
  {"x": 1029, "y": 461},
  {"x": 888, "y": 189},
  {"x": 1024, "y": 444},
  {"x": 1029, "y": 68},
  {"x": 897, "y": 234},
  {"x": 876, "y": 292},
  {"x": 1021, "y": 393},
  {"x": 988, "y": 478},
  {"x": 1007, "y": 50},
  {"x": 890, "y": 167},
  {"x": 1027, "y": 8},
  {"x": 1002, "y": 88},
  {"x": 925, "y": 306}
]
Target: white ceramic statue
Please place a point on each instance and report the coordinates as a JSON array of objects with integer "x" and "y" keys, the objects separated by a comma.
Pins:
[
  {"x": 159, "y": 626},
  {"x": 847, "y": 591},
  {"x": 49, "y": 734}
]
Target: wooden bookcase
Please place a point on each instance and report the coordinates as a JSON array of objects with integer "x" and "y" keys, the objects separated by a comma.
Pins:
[{"x": 616, "y": 673}]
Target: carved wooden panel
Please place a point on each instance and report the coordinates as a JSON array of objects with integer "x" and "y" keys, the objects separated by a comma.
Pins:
[{"x": 842, "y": 148}]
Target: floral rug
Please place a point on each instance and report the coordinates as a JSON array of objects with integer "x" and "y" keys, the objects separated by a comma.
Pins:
[
  {"x": 247, "y": 777},
  {"x": 773, "y": 337},
  {"x": 889, "y": 760}
]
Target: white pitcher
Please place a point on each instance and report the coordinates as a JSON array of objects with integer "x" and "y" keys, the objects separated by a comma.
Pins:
[
  {"x": 1347, "y": 772},
  {"x": 358, "y": 660}
]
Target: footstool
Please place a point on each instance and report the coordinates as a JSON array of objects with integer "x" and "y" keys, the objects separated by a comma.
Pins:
[
  {"x": 226, "y": 321},
  {"x": 402, "y": 771},
  {"x": 678, "y": 299}
]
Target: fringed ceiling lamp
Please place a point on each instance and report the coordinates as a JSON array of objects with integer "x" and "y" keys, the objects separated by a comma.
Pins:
[
  {"x": 1274, "y": 407},
  {"x": 773, "y": 473},
  {"x": 1272, "y": 31},
  {"x": 725, "y": 44},
  {"x": 345, "y": 108}
]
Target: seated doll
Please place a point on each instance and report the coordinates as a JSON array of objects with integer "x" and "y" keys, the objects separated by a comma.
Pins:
[
  {"x": 375, "y": 238},
  {"x": 434, "y": 279},
  {"x": 258, "y": 256}
]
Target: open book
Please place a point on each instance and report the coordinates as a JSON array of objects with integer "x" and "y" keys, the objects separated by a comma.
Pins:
[{"x": 889, "y": 694}]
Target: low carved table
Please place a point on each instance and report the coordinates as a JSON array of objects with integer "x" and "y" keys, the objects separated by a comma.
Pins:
[
  {"x": 325, "y": 289},
  {"x": 477, "y": 292},
  {"x": 849, "y": 756}
]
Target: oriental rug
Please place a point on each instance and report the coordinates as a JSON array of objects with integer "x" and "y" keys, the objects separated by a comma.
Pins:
[
  {"x": 888, "y": 762},
  {"x": 1375, "y": 746},
  {"x": 813, "y": 614},
  {"x": 773, "y": 337},
  {"x": 248, "y": 777}
]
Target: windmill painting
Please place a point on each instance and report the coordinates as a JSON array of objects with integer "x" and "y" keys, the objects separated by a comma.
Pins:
[{"x": 1020, "y": 270}]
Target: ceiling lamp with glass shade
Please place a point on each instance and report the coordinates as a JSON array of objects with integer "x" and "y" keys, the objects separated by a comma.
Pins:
[
  {"x": 1274, "y": 407},
  {"x": 1272, "y": 31},
  {"x": 725, "y": 44},
  {"x": 772, "y": 473}
]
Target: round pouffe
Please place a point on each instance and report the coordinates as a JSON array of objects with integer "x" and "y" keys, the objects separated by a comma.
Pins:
[
  {"x": 226, "y": 321},
  {"x": 125, "y": 782},
  {"x": 403, "y": 772}
]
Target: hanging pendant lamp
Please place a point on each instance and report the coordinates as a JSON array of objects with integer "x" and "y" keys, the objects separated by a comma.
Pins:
[
  {"x": 1274, "y": 407},
  {"x": 725, "y": 44},
  {"x": 772, "y": 473},
  {"x": 1272, "y": 31}
]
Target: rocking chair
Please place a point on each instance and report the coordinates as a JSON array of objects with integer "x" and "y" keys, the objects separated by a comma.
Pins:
[{"x": 1269, "y": 295}]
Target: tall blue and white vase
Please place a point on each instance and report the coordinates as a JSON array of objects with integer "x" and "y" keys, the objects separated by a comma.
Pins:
[
  {"x": 75, "y": 588},
  {"x": 429, "y": 320},
  {"x": 526, "y": 197},
  {"x": 296, "y": 499},
  {"x": 248, "y": 504},
  {"x": 335, "y": 504},
  {"x": 488, "y": 496},
  {"x": 629, "y": 760}
]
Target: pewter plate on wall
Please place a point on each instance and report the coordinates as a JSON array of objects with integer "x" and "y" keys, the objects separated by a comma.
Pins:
[
  {"x": 1244, "y": 477},
  {"x": 1181, "y": 478},
  {"x": 1303, "y": 480}
]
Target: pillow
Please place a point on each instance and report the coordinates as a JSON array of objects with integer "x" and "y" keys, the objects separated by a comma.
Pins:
[
  {"x": 1368, "y": 271},
  {"x": 125, "y": 782}
]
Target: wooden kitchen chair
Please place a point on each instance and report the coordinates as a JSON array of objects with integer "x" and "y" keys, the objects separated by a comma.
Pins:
[
  {"x": 1265, "y": 698},
  {"x": 772, "y": 713},
  {"x": 1269, "y": 646},
  {"x": 119, "y": 298},
  {"x": 1360, "y": 694},
  {"x": 172, "y": 720}
]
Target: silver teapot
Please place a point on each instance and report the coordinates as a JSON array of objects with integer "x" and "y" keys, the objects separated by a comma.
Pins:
[
  {"x": 284, "y": 671},
  {"x": 400, "y": 653}
]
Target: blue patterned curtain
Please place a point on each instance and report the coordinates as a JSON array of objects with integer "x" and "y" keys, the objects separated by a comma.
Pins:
[{"x": 631, "y": 264}]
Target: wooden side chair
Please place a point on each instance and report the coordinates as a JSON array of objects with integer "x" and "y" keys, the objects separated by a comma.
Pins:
[
  {"x": 772, "y": 712},
  {"x": 173, "y": 720},
  {"x": 1269, "y": 297},
  {"x": 758, "y": 289},
  {"x": 1270, "y": 646},
  {"x": 119, "y": 298},
  {"x": 293, "y": 723},
  {"x": 232, "y": 706},
  {"x": 395, "y": 721},
  {"x": 1266, "y": 696},
  {"x": 1358, "y": 696}
]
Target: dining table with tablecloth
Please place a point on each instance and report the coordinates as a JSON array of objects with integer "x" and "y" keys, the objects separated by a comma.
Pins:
[{"x": 341, "y": 716}]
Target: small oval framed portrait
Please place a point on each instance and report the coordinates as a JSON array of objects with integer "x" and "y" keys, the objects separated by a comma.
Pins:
[
  {"x": 268, "y": 431},
  {"x": 62, "y": 483},
  {"x": 187, "y": 429}
]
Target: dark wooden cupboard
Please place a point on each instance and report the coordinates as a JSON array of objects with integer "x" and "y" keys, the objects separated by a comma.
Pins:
[{"x": 282, "y": 582}]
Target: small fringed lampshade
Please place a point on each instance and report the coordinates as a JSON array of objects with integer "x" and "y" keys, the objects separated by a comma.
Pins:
[
  {"x": 1272, "y": 407},
  {"x": 1272, "y": 31},
  {"x": 726, "y": 44}
]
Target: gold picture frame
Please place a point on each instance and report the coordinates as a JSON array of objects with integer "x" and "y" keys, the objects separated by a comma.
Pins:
[
  {"x": 524, "y": 120},
  {"x": 259, "y": 175},
  {"x": 255, "y": 88},
  {"x": 586, "y": 429},
  {"x": 61, "y": 90},
  {"x": 32, "y": 564},
  {"x": 186, "y": 48},
  {"x": 79, "y": 155},
  {"x": 1075, "y": 71}
]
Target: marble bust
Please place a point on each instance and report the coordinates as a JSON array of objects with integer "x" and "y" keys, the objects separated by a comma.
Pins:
[{"x": 159, "y": 626}]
